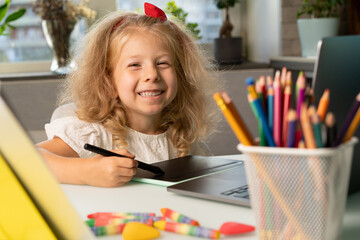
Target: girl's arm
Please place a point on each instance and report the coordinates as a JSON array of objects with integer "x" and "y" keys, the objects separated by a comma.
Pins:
[{"x": 100, "y": 171}]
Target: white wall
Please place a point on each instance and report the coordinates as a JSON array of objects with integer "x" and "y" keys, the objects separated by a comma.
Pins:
[{"x": 263, "y": 29}]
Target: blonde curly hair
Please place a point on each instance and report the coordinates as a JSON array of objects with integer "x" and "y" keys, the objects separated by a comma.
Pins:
[{"x": 188, "y": 118}]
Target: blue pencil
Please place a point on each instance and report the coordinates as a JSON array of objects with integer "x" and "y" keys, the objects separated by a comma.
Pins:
[
  {"x": 291, "y": 119},
  {"x": 270, "y": 97},
  {"x": 260, "y": 111}
]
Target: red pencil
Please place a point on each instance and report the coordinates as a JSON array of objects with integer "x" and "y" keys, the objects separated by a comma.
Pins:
[
  {"x": 277, "y": 110},
  {"x": 263, "y": 90},
  {"x": 286, "y": 106}
]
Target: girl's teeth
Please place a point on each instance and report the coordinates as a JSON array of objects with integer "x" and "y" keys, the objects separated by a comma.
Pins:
[{"x": 150, "y": 93}]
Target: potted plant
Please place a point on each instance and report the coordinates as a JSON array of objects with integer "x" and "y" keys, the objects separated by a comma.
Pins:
[
  {"x": 59, "y": 18},
  {"x": 227, "y": 49},
  {"x": 181, "y": 15},
  {"x": 10, "y": 18},
  {"x": 322, "y": 21}
]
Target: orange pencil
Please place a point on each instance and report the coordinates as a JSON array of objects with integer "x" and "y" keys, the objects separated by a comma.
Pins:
[
  {"x": 307, "y": 128},
  {"x": 353, "y": 126},
  {"x": 237, "y": 129},
  {"x": 283, "y": 78},
  {"x": 288, "y": 81},
  {"x": 323, "y": 104},
  {"x": 237, "y": 116}
]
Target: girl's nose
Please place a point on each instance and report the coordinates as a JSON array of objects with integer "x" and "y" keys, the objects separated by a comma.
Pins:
[{"x": 151, "y": 73}]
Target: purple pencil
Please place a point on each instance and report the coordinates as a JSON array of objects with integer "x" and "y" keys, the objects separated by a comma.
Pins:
[
  {"x": 348, "y": 120},
  {"x": 291, "y": 119},
  {"x": 300, "y": 95}
]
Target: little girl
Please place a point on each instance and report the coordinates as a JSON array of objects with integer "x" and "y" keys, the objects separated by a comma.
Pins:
[{"x": 141, "y": 88}]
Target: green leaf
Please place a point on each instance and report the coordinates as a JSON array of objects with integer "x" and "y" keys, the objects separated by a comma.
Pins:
[
  {"x": 3, "y": 9},
  {"x": 11, "y": 26},
  {"x": 2, "y": 29},
  {"x": 16, "y": 15}
]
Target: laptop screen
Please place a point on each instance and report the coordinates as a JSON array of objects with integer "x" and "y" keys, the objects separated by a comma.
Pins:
[{"x": 338, "y": 68}]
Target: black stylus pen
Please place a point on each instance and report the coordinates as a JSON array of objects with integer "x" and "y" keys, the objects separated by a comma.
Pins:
[{"x": 107, "y": 153}]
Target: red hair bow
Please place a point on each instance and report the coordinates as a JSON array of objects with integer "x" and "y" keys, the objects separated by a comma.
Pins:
[{"x": 154, "y": 11}]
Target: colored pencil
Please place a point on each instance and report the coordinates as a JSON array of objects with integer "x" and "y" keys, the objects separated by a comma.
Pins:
[
  {"x": 300, "y": 95},
  {"x": 269, "y": 81},
  {"x": 298, "y": 134},
  {"x": 297, "y": 86},
  {"x": 292, "y": 122},
  {"x": 307, "y": 128},
  {"x": 237, "y": 116},
  {"x": 260, "y": 129},
  {"x": 270, "y": 103},
  {"x": 288, "y": 81},
  {"x": 277, "y": 129},
  {"x": 331, "y": 129},
  {"x": 309, "y": 96},
  {"x": 260, "y": 111},
  {"x": 353, "y": 126},
  {"x": 283, "y": 77},
  {"x": 315, "y": 120},
  {"x": 286, "y": 106},
  {"x": 237, "y": 129},
  {"x": 350, "y": 116},
  {"x": 323, "y": 104},
  {"x": 260, "y": 94},
  {"x": 301, "y": 144},
  {"x": 262, "y": 87}
]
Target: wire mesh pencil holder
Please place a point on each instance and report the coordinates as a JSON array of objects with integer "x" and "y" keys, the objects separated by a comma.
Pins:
[{"x": 298, "y": 193}]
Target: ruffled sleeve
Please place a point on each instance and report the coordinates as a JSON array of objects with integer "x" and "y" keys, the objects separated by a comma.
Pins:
[{"x": 75, "y": 132}]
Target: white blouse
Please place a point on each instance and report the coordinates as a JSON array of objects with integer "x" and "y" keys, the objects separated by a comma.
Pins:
[{"x": 75, "y": 132}]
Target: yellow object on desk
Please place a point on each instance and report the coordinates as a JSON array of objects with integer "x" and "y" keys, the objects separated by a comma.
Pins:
[{"x": 19, "y": 217}]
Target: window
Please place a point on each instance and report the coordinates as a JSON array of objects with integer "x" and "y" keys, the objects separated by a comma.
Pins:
[
  {"x": 203, "y": 12},
  {"x": 27, "y": 42}
]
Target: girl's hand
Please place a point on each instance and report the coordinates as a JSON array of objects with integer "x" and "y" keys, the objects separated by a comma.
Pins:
[
  {"x": 109, "y": 171},
  {"x": 100, "y": 171}
]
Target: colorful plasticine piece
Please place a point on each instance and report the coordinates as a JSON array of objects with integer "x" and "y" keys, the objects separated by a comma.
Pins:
[
  {"x": 139, "y": 231},
  {"x": 118, "y": 215},
  {"x": 108, "y": 230},
  {"x": 99, "y": 222},
  {"x": 231, "y": 228},
  {"x": 187, "y": 229},
  {"x": 178, "y": 217}
]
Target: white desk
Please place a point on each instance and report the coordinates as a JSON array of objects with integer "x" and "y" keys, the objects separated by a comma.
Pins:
[{"x": 139, "y": 197}]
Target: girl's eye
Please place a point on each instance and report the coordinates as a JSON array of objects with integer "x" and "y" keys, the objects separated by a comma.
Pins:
[
  {"x": 134, "y": 65},
  {"x": 163, "y": 63}
]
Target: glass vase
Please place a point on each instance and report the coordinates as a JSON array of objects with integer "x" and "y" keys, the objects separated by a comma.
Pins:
[{"x": 57, "y": 34}]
